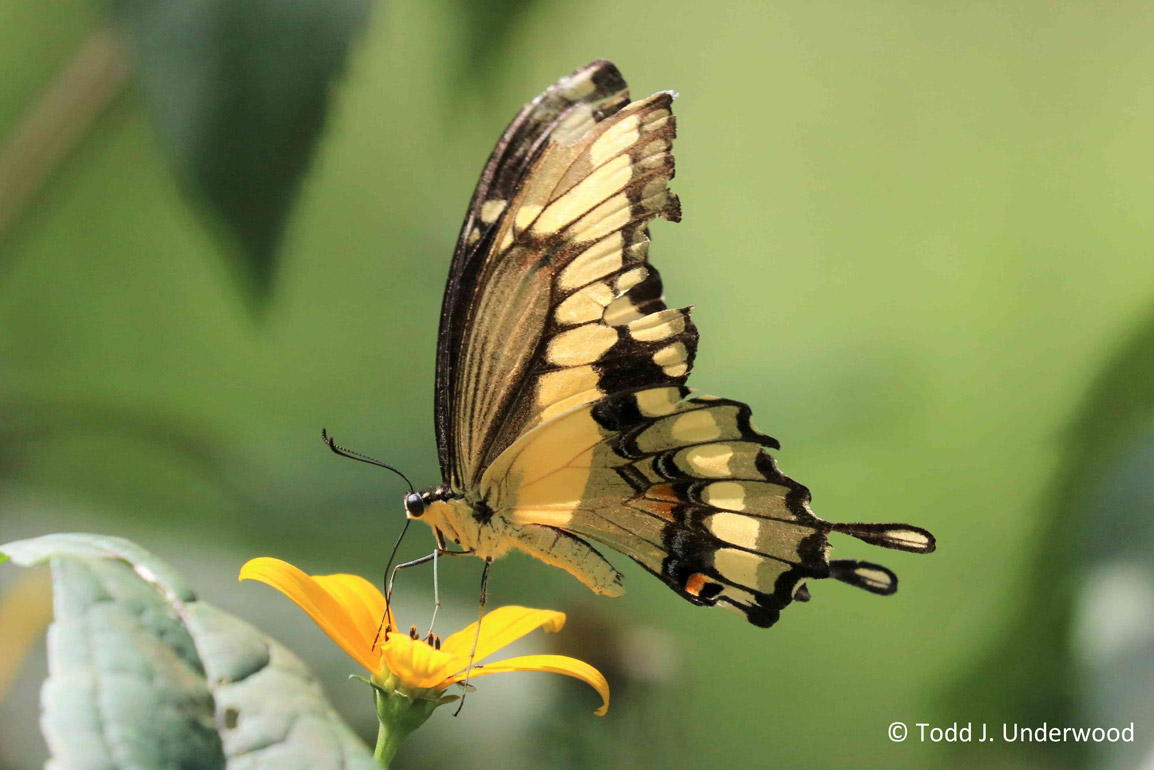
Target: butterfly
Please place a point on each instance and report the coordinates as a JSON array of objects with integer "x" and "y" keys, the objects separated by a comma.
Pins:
[{"x": 563, "y": 418}]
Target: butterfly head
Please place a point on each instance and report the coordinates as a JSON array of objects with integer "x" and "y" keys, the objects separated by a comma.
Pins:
[
  {"x": 419, "y": 504},
  {"x": 415, "y": 505}
]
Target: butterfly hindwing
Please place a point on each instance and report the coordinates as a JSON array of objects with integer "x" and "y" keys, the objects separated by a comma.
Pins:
[{"x": 684, "y": 486}]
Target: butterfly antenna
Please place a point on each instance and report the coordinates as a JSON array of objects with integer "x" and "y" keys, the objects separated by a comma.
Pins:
[
  {"x": 350, "y": 454},
  {"x": 340, "y": 450}
]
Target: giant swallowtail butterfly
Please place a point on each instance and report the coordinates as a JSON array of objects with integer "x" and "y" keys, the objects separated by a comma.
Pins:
[{"x": 562, "y": 413}]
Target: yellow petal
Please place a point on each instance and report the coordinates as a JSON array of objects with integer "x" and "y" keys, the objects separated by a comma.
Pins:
[
  {"x": 363, "y": 602},
  {"x": 555, "y": 664},
  {"x": 416, "y": 664},
  {"x": 499, "y": 628},
  {"x": 327, "y": 611}
]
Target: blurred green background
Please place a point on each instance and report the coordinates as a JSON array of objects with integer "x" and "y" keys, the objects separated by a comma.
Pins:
[{"x": 918, "y": 239}]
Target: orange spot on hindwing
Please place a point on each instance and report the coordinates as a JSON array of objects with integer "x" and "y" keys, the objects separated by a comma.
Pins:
[
  {"x": 662, "y": 508},
  {"x": 701, "y": 587},
  {"x": 662, "y": 492}
]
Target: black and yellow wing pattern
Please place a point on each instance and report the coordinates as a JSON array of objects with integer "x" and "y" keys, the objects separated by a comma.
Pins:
[{"x": 562, "y": 411}]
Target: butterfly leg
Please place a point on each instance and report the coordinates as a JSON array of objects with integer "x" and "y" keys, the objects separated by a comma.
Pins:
[
  {"x": 436, "y": 591},
  {"x": 436, "y": 595},
  {"x": 431, "y": 557},
  {"x": 476, "y": 636},
  {"x": 415, "y": 562}
]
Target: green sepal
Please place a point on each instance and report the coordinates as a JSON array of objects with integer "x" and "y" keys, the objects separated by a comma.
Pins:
[{"x": 399, "y": 715}]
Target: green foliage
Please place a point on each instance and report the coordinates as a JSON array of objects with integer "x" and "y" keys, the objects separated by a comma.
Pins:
[
  {"x": 488, "y": 30},
  {"x": 239, "y": 92},
  {"x": 145, "y": 675}
]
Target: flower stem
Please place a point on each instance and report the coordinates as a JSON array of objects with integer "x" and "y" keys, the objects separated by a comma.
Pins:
[{"x": 387, "y": 744}]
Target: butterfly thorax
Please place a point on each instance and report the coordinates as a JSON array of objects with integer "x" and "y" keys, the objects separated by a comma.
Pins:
[
  {"x": 475, "y": 528},
  {"x": 469, "y": 525}
]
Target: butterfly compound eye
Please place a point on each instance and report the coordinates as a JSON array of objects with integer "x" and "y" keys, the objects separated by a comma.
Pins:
[{"x": 414, "y": 505}]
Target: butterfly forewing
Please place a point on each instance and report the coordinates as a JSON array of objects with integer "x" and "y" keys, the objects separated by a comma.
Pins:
[
  {"x": 569, "y": 307},
  {"x": 569, "y": 107}
]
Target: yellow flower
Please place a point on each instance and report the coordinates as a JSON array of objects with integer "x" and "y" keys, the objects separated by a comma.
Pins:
[{"x": 349, "y": 609}]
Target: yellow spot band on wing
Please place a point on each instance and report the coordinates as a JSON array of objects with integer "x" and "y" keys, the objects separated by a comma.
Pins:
[
  {"x": 581, "y": 345},
  {"x": 491, "y": 209},
  {"x": 617, "y": 139}
]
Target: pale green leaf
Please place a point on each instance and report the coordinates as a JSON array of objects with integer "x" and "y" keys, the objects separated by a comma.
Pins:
[{"x": 143, "y": 675}]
